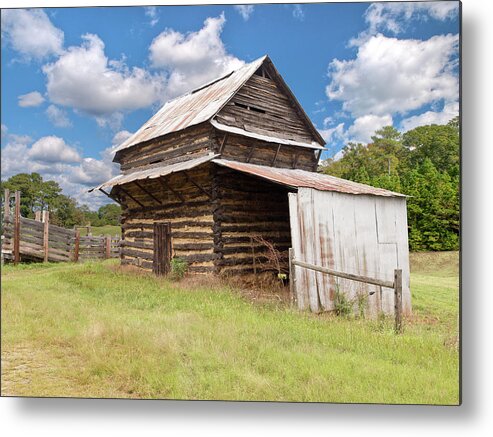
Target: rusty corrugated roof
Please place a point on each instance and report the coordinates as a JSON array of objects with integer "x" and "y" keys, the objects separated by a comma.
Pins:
[
  {"x": 194, "y": 107},
  {"x": 268, "y": 138},
  {"x": 300, "y": 178},
  {"x": 155, "y": 172}
]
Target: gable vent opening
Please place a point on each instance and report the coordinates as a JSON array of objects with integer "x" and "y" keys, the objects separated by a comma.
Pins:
[{"x": 250, "y": 108}]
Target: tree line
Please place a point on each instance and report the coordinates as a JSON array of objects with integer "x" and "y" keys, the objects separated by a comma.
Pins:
[
  {"x": 423, "y": 163},
  {"x": 40, "y": 195}
]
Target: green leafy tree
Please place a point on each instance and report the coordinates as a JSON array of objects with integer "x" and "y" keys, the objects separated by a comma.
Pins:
[
  {"x": 439, "y": 144},
  {"x": 110, "y": 214}
]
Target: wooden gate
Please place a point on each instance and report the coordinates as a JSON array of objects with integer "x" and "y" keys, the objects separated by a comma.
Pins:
[{"x": 162, "y": 248}]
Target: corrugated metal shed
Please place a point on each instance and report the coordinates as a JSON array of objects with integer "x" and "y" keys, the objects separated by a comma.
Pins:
[
  {"x": 155, "y": 172},
  {"x": 193, "y": 108},
  {"x": 300, "y": 178},
  {"x": 269, "y": 139}
]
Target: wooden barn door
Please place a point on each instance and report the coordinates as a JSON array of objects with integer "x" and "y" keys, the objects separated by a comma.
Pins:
[{"x": 162, "y": 248}]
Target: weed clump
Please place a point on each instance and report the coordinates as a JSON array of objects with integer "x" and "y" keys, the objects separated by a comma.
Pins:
[{"x": 179, "y": 268}]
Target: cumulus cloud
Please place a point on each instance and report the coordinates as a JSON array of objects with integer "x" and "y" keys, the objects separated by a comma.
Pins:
[
  {"x": 55, "y": 160},
  {"x": 365, "y": 126},
  {"x": 330, "y": 134},
  {"x": 31, "y": 33},
  {"x": 151, "y": 12},
  {"x": 53, "y": 149},
  {"x": 120, "y": 137},
  {"x": 395, "y": 17},
  {"x": 450, "y": 110},
  {"x": 245, "y": 11},
  {"x": 392, "y": 75},
  {"x": 58, "y": 116},
  {"x": 192, "y": 59},
  {"x": 31, "y": 99},
  {"x": 84, "y": 79}
]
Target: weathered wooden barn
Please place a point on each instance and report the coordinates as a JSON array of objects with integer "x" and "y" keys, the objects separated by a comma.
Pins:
[{"x": 220, "y": 171}]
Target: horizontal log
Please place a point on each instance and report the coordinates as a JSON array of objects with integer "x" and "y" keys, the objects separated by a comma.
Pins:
[
  {"x": 197, "y": 258},
  {"x": 137, "y": 253}
]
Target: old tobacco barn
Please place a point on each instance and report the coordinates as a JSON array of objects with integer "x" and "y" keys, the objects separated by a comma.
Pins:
[{"x": 218, "y": 175}]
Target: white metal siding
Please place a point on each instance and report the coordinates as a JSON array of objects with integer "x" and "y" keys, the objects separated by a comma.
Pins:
[{"x": 359, "y": 234}]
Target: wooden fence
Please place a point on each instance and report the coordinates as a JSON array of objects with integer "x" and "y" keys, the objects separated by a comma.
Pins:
[
  {"x": 24, "y": 238},
  {"x": 396, "y": 285}
]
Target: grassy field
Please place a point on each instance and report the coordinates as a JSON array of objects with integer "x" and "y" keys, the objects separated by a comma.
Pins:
[
  {"x": 102, "y": 230},
  {"x": 96, "y": 330}
]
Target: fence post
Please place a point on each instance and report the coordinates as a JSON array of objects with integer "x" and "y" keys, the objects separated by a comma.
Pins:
[
  {"x": 398, "y": 300},
  {"x": 76, "y": 245},
  {"x": 292, "y": 277},
  {"x": 37, "y": 216},
  {"x": 46, "y": 234},
  {"x": 17, "y": 228},
  {"x": 107, "y": 243}
]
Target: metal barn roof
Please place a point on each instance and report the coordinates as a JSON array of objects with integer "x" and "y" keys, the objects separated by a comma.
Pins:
[
  {"x": 203, "y": 104},
  {"x": 154, "y": 172},
  {"x": 295, "y": 178},
  {"x": 266, "y": 138}
]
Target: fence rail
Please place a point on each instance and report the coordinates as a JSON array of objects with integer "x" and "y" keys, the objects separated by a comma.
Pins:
[
  {"x": 396, "y": 285},
  {"x": 42, "y": 240}
]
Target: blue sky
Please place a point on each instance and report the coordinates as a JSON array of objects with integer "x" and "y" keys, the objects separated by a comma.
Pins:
[{"x": 77, "y": 81}]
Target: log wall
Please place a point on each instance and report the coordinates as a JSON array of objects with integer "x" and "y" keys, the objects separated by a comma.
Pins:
[
  {"x": 246, "y": 207},
  {"x": 178, "y": 201},
  {"x": 243, "y": 149},
  {"x": 176, "y": 147}
]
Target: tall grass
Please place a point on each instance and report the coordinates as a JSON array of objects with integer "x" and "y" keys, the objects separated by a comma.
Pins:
[{"x": 95, "y": 330}]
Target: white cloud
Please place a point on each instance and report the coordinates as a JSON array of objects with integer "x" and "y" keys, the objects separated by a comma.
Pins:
[
  {"x": 298, "y": 12},
  {"x": 151, "y": 12},
  {"x": 58, "y": 116},
  {"x": 395, "y": 16},
  {"x": 31, "y": 33},
  {"x": 91, "y": 172},
  {"x": 333, "y": 134},
  {"x": 31, "y": 99},
  {"x": 5, "y": 129},
  {"x": 53, "y": 149},
  {"x": 365, "y": 126},
  {"x": 245, "y": 11},
  {"x": 391, "y": 75},
  {"x": 120, "y": 137},
  {"x": 114, "y": 121},
  {"x": 449, "y": 111},
  {"x": 192, "y": 59},
  {"x": 84, "y": 79},
  {"x": 55, "y": 160}
]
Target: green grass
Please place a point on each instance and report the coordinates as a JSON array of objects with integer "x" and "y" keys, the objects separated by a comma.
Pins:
[
  {"x": 102, "y": 230},
  {"x": 95, "y": 330}
]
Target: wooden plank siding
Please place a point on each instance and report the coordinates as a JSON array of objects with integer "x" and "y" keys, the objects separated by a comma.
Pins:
[
  {"x": 261, "y": 106},
  {"x": 361, "y": 235}
]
